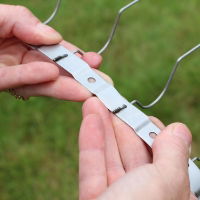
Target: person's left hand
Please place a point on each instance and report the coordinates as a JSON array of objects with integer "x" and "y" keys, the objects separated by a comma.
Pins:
[
  {"x": 27, "y": 71},
  {"x": 64, "y": 86}
]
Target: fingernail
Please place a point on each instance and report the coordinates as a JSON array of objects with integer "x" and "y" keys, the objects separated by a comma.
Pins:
[
  {"x": 49, "y": 32},
  {"x": 183, "y": 132},
  {"x": 105, "y": 77}
]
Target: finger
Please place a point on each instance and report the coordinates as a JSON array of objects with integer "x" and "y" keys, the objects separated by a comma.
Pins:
[
  {"x": 92, "y": 58},
  {"x": 172, "y": 146},
  {"x": 171, "y": 153},
  {"x": 35, "y": 56},
  {"x": 11, "y": 52},
  {"x": 113, "y": 161},
  {"x": 133, "y": 150},
  {"x": 157, "y": 122},
  {"x": 18, "y": 21},
  {"x": 104, "y": 76},
  {"x": 160, "y": 125},
  {"x": 70, "y": 46},
  {"x": 92, "y": 166},
  {"x": 64, "y": 88},
  {"x": 32, "y": 73}
]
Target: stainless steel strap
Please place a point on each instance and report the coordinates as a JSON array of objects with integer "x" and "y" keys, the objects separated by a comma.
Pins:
[{"x": 112, "y": 99}]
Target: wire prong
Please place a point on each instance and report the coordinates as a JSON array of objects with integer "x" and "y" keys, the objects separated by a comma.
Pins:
[
  {"x": 177, "y": 64},
  {"x": 115, "y": 25}
]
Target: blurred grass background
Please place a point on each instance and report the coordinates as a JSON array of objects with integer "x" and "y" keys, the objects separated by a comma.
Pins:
[{"x": 38, "y": 138}]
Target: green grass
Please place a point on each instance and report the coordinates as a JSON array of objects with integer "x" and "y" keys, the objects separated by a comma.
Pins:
[{"x": 38, "y": 138}]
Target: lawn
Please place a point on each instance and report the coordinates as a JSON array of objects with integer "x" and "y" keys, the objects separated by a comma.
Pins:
[{"x": 38, "y": 138}]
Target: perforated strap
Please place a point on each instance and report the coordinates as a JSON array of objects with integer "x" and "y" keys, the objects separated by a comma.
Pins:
[{"x": 112, "y": 99}]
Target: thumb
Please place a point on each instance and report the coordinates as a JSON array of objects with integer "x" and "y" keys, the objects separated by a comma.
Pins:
[
  {"x": 18, "y": 21},
  {"x": 171, "y": 148},
  {"x": 170, "y": 157}
]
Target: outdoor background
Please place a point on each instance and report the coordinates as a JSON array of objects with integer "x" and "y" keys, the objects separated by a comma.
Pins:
[{"x": 38, "y": 138}]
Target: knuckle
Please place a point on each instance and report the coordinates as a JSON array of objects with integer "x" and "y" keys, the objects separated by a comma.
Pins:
[
  {"x": 22, "y": 9},
  {"x": 25, "y": 74},
  {"x": 26, "y": 13}
]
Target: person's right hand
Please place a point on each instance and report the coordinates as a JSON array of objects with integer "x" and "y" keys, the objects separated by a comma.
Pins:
[
  {"x": 28, "y": 71},
  {"x": 115, "y": 164}
]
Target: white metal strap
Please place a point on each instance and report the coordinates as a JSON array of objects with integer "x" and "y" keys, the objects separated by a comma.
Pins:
[{"x": 112, "y": 99}]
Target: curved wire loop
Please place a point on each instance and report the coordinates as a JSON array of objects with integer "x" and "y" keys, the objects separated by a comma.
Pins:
[
  {"x": 110, "y": 38},
  {"x": 177, "y": 64},
  {"x": 115, "y": 25},
  {"x": 58, "y": 3},
  {"x": 114, "y": 28},
  {"x": 196, "y": 159}
]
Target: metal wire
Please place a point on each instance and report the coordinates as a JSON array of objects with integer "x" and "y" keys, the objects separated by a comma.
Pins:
[
  {"x": 110, "y": 38},
  {"x": 196, "y": 159},
  {"x": 177, "y": 64},
  {"x": 58, "y": 3},
  {"x": 114, "y": 28},
  {"x": 116, "y": 23}
]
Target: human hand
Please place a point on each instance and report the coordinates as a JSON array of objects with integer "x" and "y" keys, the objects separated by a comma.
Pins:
[
  {"x": 116, "y": 165},
  {"x": 30, "y": 73}
]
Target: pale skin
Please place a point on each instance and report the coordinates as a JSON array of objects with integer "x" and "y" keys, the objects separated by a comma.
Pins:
[
  {"x": 116, "y": 165},
  {"x": 114, "y": 162},
  {"x": 26, "y": 70}
]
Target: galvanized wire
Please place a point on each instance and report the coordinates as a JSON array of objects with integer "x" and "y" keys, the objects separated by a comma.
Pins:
[
  {"x": 58, "y": 3},
  {"x": 115, "y": 25},
  {"x": 177, "y": 64}
]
